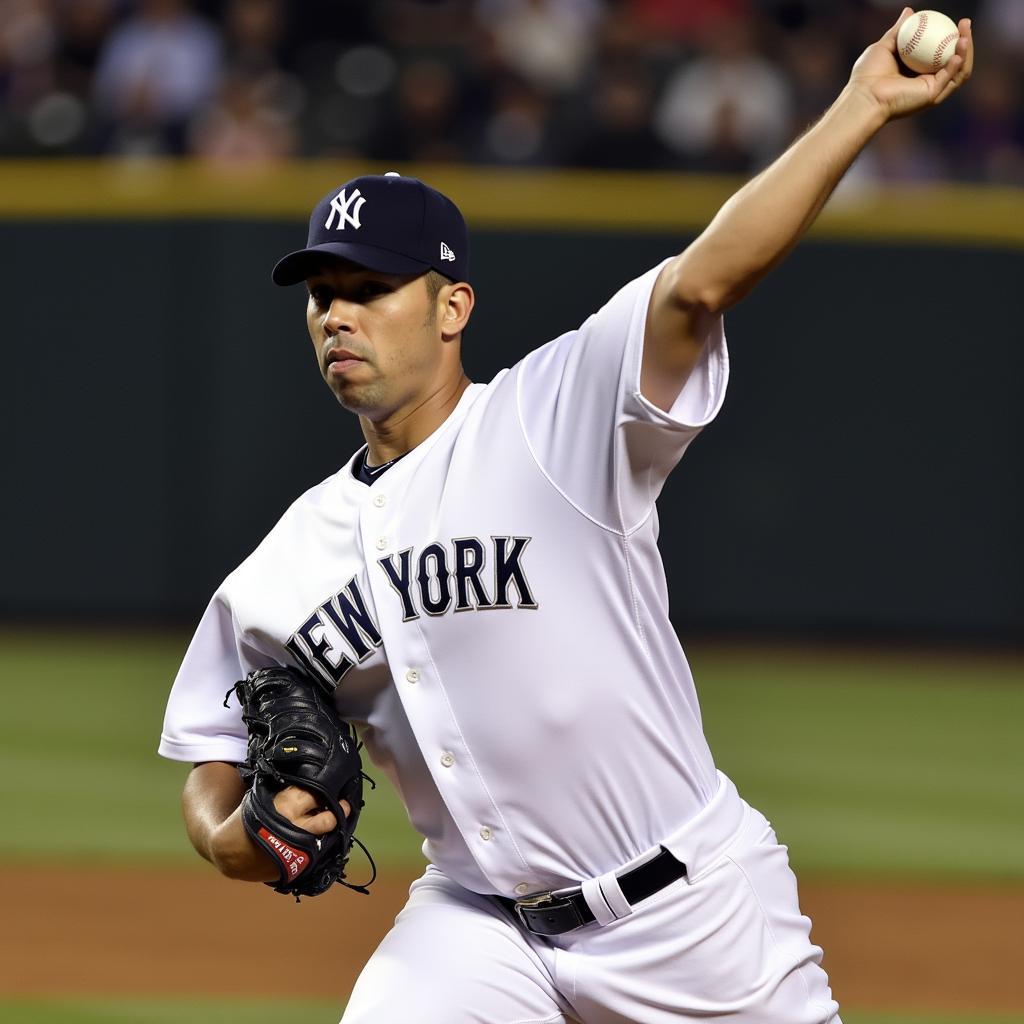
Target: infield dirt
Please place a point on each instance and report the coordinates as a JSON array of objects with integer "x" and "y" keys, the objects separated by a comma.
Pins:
[{"x": 135, "y": 932}]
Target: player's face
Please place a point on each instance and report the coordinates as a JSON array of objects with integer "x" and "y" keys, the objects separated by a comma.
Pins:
[{"x": 376, "y": 337}]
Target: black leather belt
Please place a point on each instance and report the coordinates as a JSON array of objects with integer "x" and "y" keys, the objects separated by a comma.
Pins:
[{"x": 545, "y": 913}]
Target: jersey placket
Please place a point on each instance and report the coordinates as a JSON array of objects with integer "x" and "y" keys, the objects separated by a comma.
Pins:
[{"x": 427, "y": 706}]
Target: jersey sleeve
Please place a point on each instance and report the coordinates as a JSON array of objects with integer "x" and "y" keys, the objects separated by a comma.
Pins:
[
  {"x": 604, "y": 446},
  {"x": 197, "y": 726}
]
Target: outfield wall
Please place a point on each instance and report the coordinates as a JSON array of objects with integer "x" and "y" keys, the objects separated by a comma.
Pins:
[{"x": 163, "y": 405}]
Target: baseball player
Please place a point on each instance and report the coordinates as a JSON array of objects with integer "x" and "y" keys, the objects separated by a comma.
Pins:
[{"x": 480, "y": 587}]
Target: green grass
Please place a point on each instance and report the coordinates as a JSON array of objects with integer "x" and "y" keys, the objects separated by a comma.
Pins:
[
  {"x": 877, "y": 763},
  {"x": 78, "y": 737},
  {"x": 866, "y": 763},
  {"x": 167, "y": 1011},
  {"x": 80, "y": 725},
  {"x": 175, "y": 1011}
]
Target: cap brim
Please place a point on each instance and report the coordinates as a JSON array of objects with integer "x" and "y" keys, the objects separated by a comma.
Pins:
[{"x": 303, "y": 263}]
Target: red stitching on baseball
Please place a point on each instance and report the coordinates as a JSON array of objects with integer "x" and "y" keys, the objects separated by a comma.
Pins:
[
  {"x": 922, "y": 24},
  {"x": 941, "y": 49}
]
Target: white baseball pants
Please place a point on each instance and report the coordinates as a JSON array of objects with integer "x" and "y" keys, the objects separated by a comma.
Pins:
[{"x": 727, "y": 941}]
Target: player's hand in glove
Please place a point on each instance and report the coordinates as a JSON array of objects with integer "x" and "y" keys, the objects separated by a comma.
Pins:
[
  {"x": 304, "y": 779},
  {"x": 305, "y": 811}
]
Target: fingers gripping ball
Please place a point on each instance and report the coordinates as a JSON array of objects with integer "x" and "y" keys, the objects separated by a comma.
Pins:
[
  {"x": 926, "y": 41},
  {"x": 297, "y": 739}
]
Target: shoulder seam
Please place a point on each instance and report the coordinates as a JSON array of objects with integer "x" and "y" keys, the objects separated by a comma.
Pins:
[{"x": 536, "y": 459}]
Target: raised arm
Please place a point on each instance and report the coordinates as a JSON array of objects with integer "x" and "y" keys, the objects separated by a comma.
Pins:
[{"x": 759, "y": 225}]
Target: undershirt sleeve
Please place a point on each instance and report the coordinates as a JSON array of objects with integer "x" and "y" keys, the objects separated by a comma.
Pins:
[{"x": 604, "y": 446}]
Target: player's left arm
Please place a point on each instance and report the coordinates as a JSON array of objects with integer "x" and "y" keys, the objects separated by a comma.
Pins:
[{"x": 761, "y": 223}]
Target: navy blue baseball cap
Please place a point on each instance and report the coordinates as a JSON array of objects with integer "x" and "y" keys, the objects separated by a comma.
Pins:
[{"x": 385, "y": 222}]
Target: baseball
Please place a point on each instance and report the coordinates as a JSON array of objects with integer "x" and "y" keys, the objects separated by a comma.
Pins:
[{"x": 926, "y": 41}]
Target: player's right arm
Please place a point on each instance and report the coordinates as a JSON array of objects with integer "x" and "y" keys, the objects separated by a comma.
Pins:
[
  {"x": 210, "y": 803},
  {"x": 761, "y": 223},
  {"x": 636, "y": 383}
]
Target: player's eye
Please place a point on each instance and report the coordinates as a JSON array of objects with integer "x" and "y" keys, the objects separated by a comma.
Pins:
[
  {"x": 320, "y": 295},
  {"x": 371, "y": 289}
]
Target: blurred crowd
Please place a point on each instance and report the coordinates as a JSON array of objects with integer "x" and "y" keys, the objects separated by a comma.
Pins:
[{"x": 703, "y": 85}]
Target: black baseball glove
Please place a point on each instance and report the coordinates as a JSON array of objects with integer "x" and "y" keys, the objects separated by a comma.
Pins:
[{"x": 297, "y": 739}]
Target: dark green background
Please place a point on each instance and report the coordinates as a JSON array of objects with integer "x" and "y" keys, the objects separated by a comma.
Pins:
[{"x": 163, "y": 407}]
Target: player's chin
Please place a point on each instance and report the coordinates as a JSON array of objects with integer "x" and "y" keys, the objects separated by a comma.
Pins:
[{"x": 361, "y": 399}]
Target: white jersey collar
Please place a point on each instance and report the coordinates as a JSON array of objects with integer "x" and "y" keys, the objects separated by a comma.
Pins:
[{"x": 405, "y": 465}]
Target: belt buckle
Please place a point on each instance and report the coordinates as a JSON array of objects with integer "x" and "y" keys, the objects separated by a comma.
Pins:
[
  {"x": 547, "y": 902},
  {"x": 533, "y": 902}
]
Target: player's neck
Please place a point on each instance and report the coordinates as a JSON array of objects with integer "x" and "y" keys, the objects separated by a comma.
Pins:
[{"x": 406, "y": 427}]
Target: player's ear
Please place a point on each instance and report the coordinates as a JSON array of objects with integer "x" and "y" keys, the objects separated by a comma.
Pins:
[{"x": 458, "y": 305}]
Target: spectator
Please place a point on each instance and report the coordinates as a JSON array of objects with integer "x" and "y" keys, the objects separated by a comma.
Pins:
[
  {"x": 260, "y": 101},
  {"x": 422, "y": 123},
  {"x": 27, "y": 43},
  {"x": 546, "y": 42},
  {"x": 687, "y": 21},
  {"x": 987, "y": 135},
  {"x": 621, "y": 37},
  {"x": 35, "y": 115},
  {"x": 243, "y": 125},
  {"x": 1008, "y": 15},
  {"x": 606, "y": 83},
  {"x": 519, "y": 129},
  {"x": 84, "y": 26},
  {"x": 728, "y": 109},
  {"x": 156, "y": 72},
  {"x": 618, "y": 131},
  {"x": 419, "y": 24},
  {"x": 818, "y": 68},
  {"x": 253, "y": 33},
  {"x": 900, "y": 155}
]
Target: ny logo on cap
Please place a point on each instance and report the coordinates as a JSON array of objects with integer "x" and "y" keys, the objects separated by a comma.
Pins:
[
  {"x": 340, "y": 205},
  {"x": 446, "y": 253}
]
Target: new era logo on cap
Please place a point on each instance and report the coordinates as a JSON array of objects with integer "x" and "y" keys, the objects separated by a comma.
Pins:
[{"x": 386, "y": 222}]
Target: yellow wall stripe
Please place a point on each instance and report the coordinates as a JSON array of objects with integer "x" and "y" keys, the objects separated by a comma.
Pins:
[{"x": 492, "y": 198}]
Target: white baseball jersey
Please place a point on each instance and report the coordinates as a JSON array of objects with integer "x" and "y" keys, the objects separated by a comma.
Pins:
[{"x": 494, "y": 614}]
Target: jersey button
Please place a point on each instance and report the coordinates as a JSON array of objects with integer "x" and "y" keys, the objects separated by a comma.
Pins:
[
  {"x": 447, "y": 759},
  {"x": 380, "y": 501},
  {"x": 382, "y": 543},
  {"x": 485, "y": 833},
  {"x": 522, "y": 889},
  {"x": 412, "y": 676}
]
